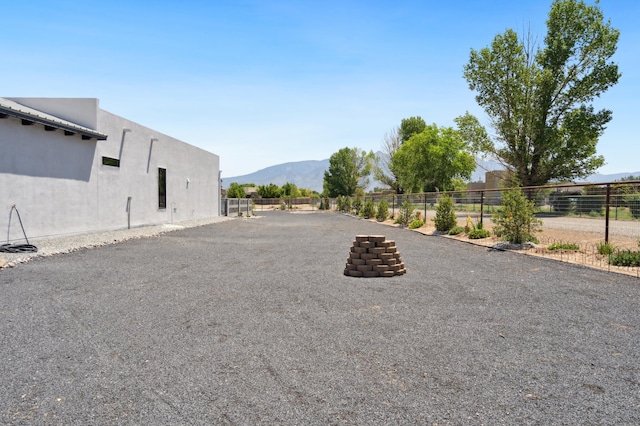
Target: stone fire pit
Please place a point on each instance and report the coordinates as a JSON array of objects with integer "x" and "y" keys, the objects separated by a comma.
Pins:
[{"x": 373, "y": 256}]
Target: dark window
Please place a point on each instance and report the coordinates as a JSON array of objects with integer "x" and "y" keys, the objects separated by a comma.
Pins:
[
  {"x": 162, "y": 188},
  {"x": 107, "y": 161}
]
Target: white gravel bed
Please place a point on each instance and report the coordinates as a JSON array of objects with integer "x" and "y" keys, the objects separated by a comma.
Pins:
[{"x": 67, "y": 244}]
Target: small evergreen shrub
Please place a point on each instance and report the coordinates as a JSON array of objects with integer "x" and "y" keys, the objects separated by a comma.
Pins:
[
  {"x": 357, "y": 205},
  {"x": 406, "y": 213},
  {"x": 563, "y": 246},
  {"x": 456, "y": 230},
  {"x": 515, "y": 221},
  {"x": 348, "y": 204},
  {"x": 625, "y": 258},
  {"x": 368, "y": 210},
  {"x": 445, "y": 215},
  {"x": 383, "y": 210}
]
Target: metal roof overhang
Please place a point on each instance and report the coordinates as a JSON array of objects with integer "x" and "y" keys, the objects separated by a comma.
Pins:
[{"x": 51, "y": 123}]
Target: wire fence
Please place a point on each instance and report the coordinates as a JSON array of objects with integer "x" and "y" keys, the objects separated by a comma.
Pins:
[{"x": 588, "y": 216}]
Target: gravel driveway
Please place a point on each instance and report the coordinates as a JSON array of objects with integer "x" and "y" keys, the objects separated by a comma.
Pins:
[{"x": 251, "y": 321}]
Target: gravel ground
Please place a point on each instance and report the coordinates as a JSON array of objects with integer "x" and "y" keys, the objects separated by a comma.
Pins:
[
  {"x": 67, "y": 244},
  {"x": 251, "y": 321}
]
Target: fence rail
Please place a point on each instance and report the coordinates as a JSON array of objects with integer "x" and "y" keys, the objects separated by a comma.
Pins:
[{"x": 612, "y": 208}]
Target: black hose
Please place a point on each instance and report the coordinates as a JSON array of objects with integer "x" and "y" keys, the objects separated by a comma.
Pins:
[{"x": 17, "y": 248}]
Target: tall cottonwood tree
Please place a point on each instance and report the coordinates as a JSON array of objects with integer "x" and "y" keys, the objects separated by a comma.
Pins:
[
  {"x": 348, "y": 171},
  {"x": 539, "y": 101},
  {"x": 411, "y": 126},
  {"x": 433, "y": 159}
]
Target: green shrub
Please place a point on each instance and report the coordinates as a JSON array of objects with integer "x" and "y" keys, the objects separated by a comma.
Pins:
[
  {"x": 357, "y": 205},
  {"x": 563, "y": 246},
  {"x": 477, "y": 233},
  {"x": 445, "y": 215},
  {"x": 416, "y": 223},
  {"x": 383, "y": 210},
  {"x": 405, "y": 214},
  {"x": 347, "y": 204},
  {"x": 605, "y": 248},
  {"x": 368, "y": 210},
  {"x": 456, "y": 230},
  {"x": 625, "y": 258},
  {"x": 515, "y": 221}
]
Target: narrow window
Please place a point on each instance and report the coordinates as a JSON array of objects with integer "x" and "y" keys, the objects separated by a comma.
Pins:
[
  {"x": 162, "y": 188},
  {"x": 107, "y": 161}
]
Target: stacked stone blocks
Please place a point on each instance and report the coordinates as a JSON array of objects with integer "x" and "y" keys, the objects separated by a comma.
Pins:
[{"x": 373, "y": 256}]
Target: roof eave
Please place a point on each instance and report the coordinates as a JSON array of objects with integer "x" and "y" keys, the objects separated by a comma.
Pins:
[{"x": 50, "y": 123}]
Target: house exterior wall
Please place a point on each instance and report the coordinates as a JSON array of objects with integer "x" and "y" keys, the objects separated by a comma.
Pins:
[{"x": 60, "y": 185}]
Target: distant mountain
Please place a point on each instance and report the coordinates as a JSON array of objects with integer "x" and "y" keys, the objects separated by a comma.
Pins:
[
  {"x": 304, "y": 174},
  {"x": 310, "y": 174},
  {"x": 599, "y": 178}
]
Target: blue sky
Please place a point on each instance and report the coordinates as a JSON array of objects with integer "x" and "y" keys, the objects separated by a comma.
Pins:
[{"x": 266, "y": 82}]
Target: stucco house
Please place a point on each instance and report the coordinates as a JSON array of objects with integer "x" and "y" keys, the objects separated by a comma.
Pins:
[{"x": 70, "y": 167}]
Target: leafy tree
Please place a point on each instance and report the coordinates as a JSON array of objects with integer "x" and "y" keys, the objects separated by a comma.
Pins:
[
  {"x": 289, "y": 190},
  {"x": 236, "y": 191},
  {"x": 269, "y": 191},
  {"x": 411, "y": 126},
  {"x": 433, "y": 159},
  {"x": 539, "y": 100},
  {"x": 307, "y": 192},
  {"x": 383, "y": 170},
  {"x": 349, "y": 169}
]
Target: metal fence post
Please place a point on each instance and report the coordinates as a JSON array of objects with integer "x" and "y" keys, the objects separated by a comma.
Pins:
[
  {"x": 393, "y": 206},
  {"x": 481, "y": 205},
  {"x": 425, "y": 207},
  {"x": 606, "y": 214}
]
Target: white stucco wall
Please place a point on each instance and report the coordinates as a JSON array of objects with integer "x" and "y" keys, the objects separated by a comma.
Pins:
[{"x": 61, "y": 187}]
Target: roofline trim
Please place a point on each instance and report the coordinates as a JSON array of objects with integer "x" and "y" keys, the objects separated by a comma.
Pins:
[{"x": 66, "y": 126}]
